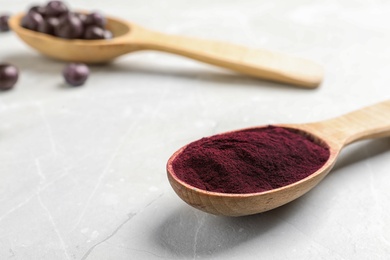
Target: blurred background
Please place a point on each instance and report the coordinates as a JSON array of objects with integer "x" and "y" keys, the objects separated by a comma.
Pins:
[{"x": 83, "y": 169}]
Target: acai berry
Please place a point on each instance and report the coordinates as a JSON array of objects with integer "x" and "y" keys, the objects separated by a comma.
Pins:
[
  {"x": 48, "y": 26},
  {"x": 9, "y": 75},
  {"x": 75, "y": 74},
  {"x": 95, "y": 18},
  {"x": 4, "y": 23},
  {"x": 32, "y": 20},
  {"x": 55, "y": 8},
  {"x": 69, "y": 27},
  {"x": 94, "y": 32}
]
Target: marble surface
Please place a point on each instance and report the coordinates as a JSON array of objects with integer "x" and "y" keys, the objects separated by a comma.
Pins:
[{"x": 83, "y": 169}]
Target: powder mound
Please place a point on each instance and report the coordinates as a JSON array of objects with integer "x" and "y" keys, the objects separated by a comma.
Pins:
[{"x": 248, "y": 161}]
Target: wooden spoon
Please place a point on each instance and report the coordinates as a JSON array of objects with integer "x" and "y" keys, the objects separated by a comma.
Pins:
[
  {"x": 129, "y": 37},
  {"x": 369, "y": 122}
]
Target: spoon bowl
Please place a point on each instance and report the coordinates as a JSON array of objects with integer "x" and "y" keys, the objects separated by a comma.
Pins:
[
  {"x": 88, "y": 51},
  {"x": 370, "y": 122},
  {"x": 129, "y": 37}
]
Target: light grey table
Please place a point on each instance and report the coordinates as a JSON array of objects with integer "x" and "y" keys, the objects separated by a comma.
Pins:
[{"x": 83, "y": 169}]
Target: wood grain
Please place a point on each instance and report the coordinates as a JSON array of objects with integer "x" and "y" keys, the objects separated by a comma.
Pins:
[{"x": 255, "y": 62}]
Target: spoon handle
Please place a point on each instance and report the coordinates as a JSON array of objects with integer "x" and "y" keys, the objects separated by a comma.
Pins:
[
  {"x": 369, "y": 122},
  {"x": 255, "y": 62}
]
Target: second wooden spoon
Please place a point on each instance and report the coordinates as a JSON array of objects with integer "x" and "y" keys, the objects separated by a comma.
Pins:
[{"x": 129, "y": 37}]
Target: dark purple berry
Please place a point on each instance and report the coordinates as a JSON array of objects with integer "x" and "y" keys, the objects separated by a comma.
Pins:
[
  {"x": 56, "y": 19},
  {"x": 83, "y": 17},
  {"x": 108, "y": 34},
  {"x": 8, "y": 76},
  {"x": 56, "y": 8},
  {"x": 93, "y": 32},
  {"x": 75, "y": 74},
  {"x": 32, "y": 20},
  {"x": 96, "y": 18},
  {"x": 4, "y": 23},
  {"x": 38, "y": 9},
  {"x": 48, "y": 25},
  {"x": 69, "y": 27}
]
